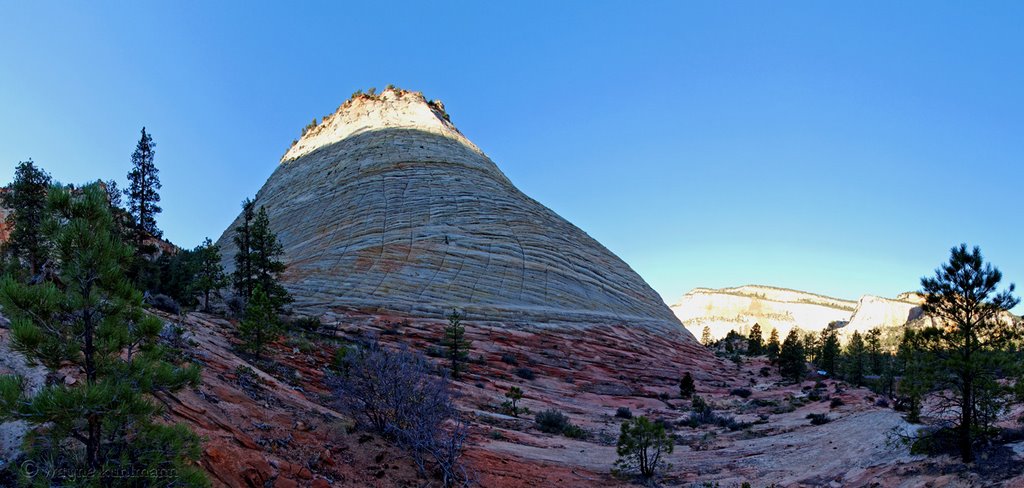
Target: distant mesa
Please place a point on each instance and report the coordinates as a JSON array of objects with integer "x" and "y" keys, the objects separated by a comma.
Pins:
[
  {"x": 725, "y": 309},
  {"x": 385, "y": 206}
]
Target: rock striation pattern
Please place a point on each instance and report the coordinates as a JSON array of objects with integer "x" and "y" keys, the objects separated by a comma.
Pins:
[
  {"x": 385, "y": 205},
  {"x": 739, "y": 308}
]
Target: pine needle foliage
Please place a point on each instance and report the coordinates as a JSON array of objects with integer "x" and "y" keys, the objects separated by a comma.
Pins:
[{"x": 90, "y": 316}]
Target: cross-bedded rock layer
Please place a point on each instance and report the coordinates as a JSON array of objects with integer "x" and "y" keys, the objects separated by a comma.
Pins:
[{"x": 386, "y": 206}]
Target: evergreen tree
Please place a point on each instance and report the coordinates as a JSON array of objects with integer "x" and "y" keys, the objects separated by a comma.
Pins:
[
  {"x": 641, "y": 445},
  {"x": 261, "y": 324},
  {"x": 92, "y": 318},
  {"x": 705, "y": 337},
  {"x": 514, "y": 394},
  {"x": 856, "y": 359},
  {"x": 243, "y": 275},
  {"x": 456, "y": 343},
  {"x": 143, "y": 183},
  {"x": 873, "y": 342},
  {"x": 26, "y": 198},
  {"x": 687, "y": 386},
  {"x": 812, "y": 345},
  {"x": 264, "y": 256},
  {"x": 210, "y": 277},
  {"x": 828, "y": 354},
  {"x": 974, "y": 352},
  {"x": 755, "y": 342},
  {"x": 792, "y": 357},
  {"x": 773, "y": 347}
]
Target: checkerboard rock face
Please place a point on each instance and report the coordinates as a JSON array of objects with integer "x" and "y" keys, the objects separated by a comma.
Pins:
[{"x": 386, "y": 206}]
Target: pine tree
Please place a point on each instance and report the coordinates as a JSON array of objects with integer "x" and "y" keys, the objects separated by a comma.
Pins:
[
  {"x": 856, "y": 359},
  {"x": 514, "y": 394},
  {"x": 92, "y": 318},
  {"x": 210, "y": 277},
  {"x": 812, "y": 345},
  {"x": 265, "y": 251},
  {"x": 261, "y": 324},
  {"x": 143, "y": 183},
  {"x": 773, "y": 347},
  {"x": 26, "y": 198},
  {"x": 705, "y": 337},
  {"x": 873, "y": 342},
  {"x": 974, "y": 352},
  {"x": 243, "y": 275},
  {"x": 641, "y": 445},
  {"x": 792, "y": 357},
  {"x": 828, "y": 354},
  {"x": 755, "y": 342},
  {"x": 456, "y": 343}
]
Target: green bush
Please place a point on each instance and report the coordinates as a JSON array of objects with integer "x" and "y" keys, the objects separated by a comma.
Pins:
[{"x": 641, "y": 445}]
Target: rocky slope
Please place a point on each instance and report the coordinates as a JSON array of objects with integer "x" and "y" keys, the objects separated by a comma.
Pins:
[
  {"x": 386, "y": 206},
  {"x": 739, "y": 308}
]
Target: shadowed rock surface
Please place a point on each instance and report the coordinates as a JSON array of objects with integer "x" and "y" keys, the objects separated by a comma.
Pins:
[{"x": 386, "y": 206}]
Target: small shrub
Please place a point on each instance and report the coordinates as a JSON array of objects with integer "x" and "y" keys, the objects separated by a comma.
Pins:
[
  {"x": 525, "y": 373},
  {"x": 509, "y": 358},
  {"x": 836, "y": 402},
  {"x": 740, "y": 392},
  {"x": 624, "y": 413},
  {"x": 514, "y": 394},
  {"x": 163, "y": 303},
  {"x": 881, "y": 402},
  {"x": 436, "y": 352},
  {"x": 818, "y": 418},
  {"x": 573, "y": 431},
  {"x": 552, "y": 421},
  {"x": 663, "y": 396},
  {"x": 765, "y": 372},
  {"x": 307, "y": 324},
  {"x": 934, "y": 442}
]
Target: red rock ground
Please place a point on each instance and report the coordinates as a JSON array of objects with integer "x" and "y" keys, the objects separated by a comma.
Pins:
[{"x": 273, "y": 424}]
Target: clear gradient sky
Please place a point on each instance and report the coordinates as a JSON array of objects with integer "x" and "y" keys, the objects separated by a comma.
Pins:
[{"x": 835, "y": 149}]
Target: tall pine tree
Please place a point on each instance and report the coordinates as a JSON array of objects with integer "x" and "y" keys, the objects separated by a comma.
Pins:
[
  {"x": 792, "y": 357},
  {"x": 827, "y": 357},
  {"x": 209, "y": 277},
  {"x": 91, "y": 317},
  {"x": 265, "y": 251},
  {"x": 974, "y": 353},
  {"x": 856, "y": 359},
  {"x": 773, "y": 347},
  {"x": 455, "y": 342},
  {"x": 242, "y": 278},
  {"x": 755, "y": 341},
  {"x": 143, "y": 183},
  {"x": 26, "y": 198}
]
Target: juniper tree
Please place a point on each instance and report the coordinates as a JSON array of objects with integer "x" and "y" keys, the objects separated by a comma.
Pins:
[
  {"x": 242, "y": 278},
  {"x": 143, "y": 183},
  {"x": 90, "y": 317},
  {"x": 856, "y": 359},
  {"x": 686, "y": 386},
  {"x": 209, "y": 277},
  {"x": 972, "y": 352},
  {"x": 792, "y": 357},
  {"x": 755, "y": 341},
  {"x": 260, "y": 325},
  {"x": 773, "y": 346},
  {"x": 455, "y": 342},
  {"x": 26, "y": 198}
]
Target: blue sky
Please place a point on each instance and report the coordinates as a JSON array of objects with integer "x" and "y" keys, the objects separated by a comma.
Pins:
[{"x": 835, "y": 149}]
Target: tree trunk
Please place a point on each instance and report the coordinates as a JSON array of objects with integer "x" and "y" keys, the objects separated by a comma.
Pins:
[{"x": 966, "y": 421}]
